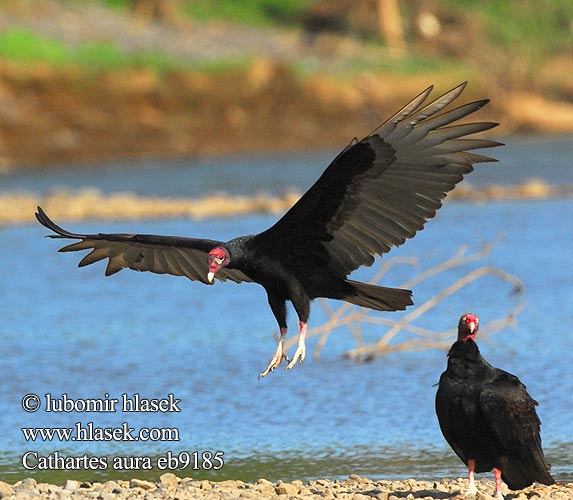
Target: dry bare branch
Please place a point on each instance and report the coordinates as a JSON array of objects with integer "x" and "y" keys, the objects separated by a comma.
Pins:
[{"x": 354, "y": 318}]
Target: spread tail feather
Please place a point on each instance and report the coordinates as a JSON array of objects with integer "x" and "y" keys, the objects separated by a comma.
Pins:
[
  {"x": 520, "y": 474},
  {"x": 380, "y": 298}
]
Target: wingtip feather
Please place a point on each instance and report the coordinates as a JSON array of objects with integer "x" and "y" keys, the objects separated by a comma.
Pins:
[
  {"x": 461, "y": 85},
  {"x": 452, "y": 94},
  {"x": 48, "y": 223}
]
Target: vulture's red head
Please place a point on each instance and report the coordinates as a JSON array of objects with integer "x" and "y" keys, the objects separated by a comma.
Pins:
[
  {"x": 218, "y": 257},
  {"x": 468, "y": 327}
]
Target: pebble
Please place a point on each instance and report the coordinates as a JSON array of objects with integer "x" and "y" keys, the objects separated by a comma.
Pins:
[
  {"x": 205, "y": 485},
  {"x": 5, "y": 490},
  {"x": 169, "y": 480},
  {"x": 26, "y": 485},
  {"x": 353, "y": 488},
  {"x": 108, "y": 486},
  {"x": 248, "y": 494},
  {"x": 71, "y": 485},
  {"x": 360, "y": 496},
  {"x": 286, "y": 489},
  {"x": 139, "y": 483}
]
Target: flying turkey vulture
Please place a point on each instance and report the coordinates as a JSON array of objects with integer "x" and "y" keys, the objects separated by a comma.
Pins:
[
  {"x": 488, "y": 418},
  {"x": 375, "y": 194}
]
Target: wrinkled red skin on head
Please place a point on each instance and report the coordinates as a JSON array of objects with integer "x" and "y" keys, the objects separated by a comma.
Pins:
[
  {"x": 468, "y": 327},
  {"x": 218, "y": 258}
]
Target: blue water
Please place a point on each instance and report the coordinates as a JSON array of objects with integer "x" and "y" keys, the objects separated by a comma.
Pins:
[
  {"x": 73, "y": 331},
  {"x": 547, "y": 158}
]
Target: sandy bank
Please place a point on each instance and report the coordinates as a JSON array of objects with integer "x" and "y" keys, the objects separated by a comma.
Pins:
[
  {"x": 353, "y": 488},
  {"x": 19, "y": 208}
]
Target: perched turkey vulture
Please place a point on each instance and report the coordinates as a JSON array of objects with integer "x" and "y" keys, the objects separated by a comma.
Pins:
[
  {"x": 375, "y": 194},
  {"x": 488, "y": 418}
]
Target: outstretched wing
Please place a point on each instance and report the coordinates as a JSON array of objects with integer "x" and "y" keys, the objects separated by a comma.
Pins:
[
  {"x": 380, "y": 191},
  {"x": 174, "y": 255}
]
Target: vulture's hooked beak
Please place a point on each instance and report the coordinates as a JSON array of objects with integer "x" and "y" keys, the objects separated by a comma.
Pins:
[
  {"x": 471, "y": 326},
  {"x": 210, "y": 276}
]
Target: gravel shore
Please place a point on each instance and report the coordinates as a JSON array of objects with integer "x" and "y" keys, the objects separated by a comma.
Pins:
[{"x": 353, "y": 488}]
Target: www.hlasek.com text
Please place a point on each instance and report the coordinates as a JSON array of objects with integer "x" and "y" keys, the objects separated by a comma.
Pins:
[{"x": 90, "y": 432}]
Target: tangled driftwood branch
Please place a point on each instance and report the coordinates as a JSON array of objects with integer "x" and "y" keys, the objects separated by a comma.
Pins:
[{"x": 352, "y": 317}]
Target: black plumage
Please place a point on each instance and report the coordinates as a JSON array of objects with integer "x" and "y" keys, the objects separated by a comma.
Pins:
[
  {"x": 488, "y": 417},
  {"x": 376, "y": 193}
]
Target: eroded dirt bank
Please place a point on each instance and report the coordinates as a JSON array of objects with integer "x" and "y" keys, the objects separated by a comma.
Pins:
[{"x": 65, "y": 115}]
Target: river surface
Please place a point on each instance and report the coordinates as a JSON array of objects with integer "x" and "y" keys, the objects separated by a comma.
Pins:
[{"x": 75, "y": 332}]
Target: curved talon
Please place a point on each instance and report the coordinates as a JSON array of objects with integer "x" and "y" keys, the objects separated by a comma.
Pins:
[
  {"x": 298, "y": 356},
  {"x": 269, "y": 369},
  {"x": 280, "y": 352},
  {"x": 275, "y": 361}
]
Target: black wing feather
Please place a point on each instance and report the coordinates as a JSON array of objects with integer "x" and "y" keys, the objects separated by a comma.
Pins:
[
  {"x": 510, "y": 413},
  {"x": 451, "y": 426},
  {"x": 381, "y": 190},
  {"x": 174, "y": 255}
]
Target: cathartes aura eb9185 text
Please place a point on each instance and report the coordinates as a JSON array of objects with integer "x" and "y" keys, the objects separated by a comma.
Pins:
[
  {"x": 375, "y": 194},
  {"x": 488, "y": 418}
]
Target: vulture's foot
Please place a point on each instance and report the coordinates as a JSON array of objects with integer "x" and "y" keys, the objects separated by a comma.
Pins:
[
  {"x": 471, "y": 492},
  {"x": 277, "y": 358},
  {"x": 298, "y": 355},
  {"x": 301, "y": 347}
]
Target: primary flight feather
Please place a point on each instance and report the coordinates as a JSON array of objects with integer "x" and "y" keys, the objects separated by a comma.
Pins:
[{"x": 375, "y": 194}]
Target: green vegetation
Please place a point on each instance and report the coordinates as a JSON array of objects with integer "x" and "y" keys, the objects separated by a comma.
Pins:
[
  {"x": 405, "y": 66},
  {"x": 21, "y": 45},
  {"x": 520, "y": 32},
  {"x": 250, "y": 12},
  {"x": 539, "y": 26},
  {"x": 26, "y": 46},
  {"x": 117, "y": 3},
  {"x": 253, "y": 12},
  {"x": 545, "y": 24},
  {"x": 348, "y": 69}
]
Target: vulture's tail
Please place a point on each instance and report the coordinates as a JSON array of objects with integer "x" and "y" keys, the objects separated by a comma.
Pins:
[
  {"x": 380, "y": 298},
  {"x": 519, "y": 474}
]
